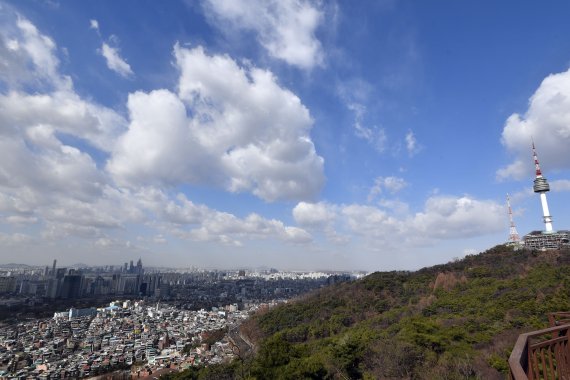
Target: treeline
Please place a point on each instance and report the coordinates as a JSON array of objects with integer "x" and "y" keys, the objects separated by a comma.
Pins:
[{"x": 454, "y": 321}]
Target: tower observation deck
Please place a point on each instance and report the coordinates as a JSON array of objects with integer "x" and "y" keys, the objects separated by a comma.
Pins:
[{"x": 547, "y": 239}]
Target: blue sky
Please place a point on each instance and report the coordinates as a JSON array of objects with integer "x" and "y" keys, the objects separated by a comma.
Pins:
[{"x": 374, "y": 135}]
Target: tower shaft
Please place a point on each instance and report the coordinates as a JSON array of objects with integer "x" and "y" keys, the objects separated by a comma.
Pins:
[{"x": 546, "y": 213}]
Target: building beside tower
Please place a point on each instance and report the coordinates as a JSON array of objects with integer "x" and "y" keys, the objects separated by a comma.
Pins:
[{"x": 549, "y": 238}]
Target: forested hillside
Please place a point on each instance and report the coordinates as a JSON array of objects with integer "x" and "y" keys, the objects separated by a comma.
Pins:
[{"x": 453, "y": 321}]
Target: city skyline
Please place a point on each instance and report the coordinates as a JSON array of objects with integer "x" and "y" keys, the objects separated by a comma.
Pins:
[{"x": 291, "y": 134}]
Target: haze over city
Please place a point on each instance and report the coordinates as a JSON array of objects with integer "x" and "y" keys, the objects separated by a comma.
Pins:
[{"x": 291, "y": 134}]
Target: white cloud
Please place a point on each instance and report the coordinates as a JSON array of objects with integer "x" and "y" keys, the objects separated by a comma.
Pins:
[
  {"x": 64, "y": 112},
  {"x": 442, "y": 218},
  {"x": 371, "y": 222},
  {"x": 356, "y": 94},
  {"x": 560, "y": 185},
  {"x": 31, "y": 62},
  {"x": 518, "y": 169},
  {"x": 375, "y": 136},
  {"x": 412, "y": 144},
  {"x": 391, "y": 184},
  {"x": 183, "y": 218},
  {"x": 14, "y": 239},
  {"x": 42, "y": 179},
  {"x": 28, "y": 57},
  {"x": 19, "y": 219},
  {"x": 447, "y": 217},
  {"x": 397, "y": 207},
  {"x": 39, "y": 48},
  {"x": 228, "y": 126},
  {"x": 59, "y": 231},
  {"x": 108, "y": 243},
  {"x": 313, "y": 214},
  {"x": 41, "y": 163},
  {"x": 94, "y": 24},
  {"x": 225, "y": 228},
  {"x": 547, "y": 120},
  {"x": 157, "y": 148},
  {"x": 61, "y": 189},
  {"x": 115, "y": 62},
  {"x": 394, "y": 184},
  {"x": 111, "y": 54},
  {"x": 285, "y": 28},
  {"x": 320, "y": 216},
  {"x": 521, "y": 195}
]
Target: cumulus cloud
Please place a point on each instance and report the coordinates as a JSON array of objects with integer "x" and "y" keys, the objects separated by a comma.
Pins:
[
  {"x": 371, "y": 222},
  {"x": 228, "y": 126},
  {"x": 40, "y": 161},
  {"x": 547, "y": 120},
  {"x": 115, "y": 62},
  {"x": 62, "y": 111},
  {"x": 397, "y": 206},
  {"x": 63, "y": 190},
  {"x": 183, "y": 218},
  {"x": 30, "y": 61},
  {"x": 43, "y": 180},
  {"x": 320, "y": 216},
  {"x": 285, "y": 28},
  {"x": 442, "y": 218},
  {"x": 40, "y": 175},
  {"x": 313, "y": 214},
  {"x": 447, "y": 217},
  {"x": 260, "y": 143},
  {"x": 23, "y": 47},
  {"x": 226, "y": 228}
]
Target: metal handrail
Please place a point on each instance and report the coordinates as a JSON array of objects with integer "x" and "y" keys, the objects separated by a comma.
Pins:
[{"x": 547, "y": 358}]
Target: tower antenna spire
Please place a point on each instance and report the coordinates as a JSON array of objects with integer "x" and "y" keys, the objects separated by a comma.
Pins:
[
  {"x": 541, "y": 187},
  {"x": 536, "y": 164},
  {"x": 513, "y": 234}
]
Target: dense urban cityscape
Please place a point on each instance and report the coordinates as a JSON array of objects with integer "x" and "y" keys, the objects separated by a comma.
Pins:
[{"x": 158, "y": 320}]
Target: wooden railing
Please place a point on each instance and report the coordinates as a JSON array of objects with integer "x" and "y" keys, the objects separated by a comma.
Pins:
[
  {"x": 559, "y": 318},
  {"x": 543, "y": 354}
]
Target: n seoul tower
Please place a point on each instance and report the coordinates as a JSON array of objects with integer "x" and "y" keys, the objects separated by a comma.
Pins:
[{"x": 541, "y": 186}]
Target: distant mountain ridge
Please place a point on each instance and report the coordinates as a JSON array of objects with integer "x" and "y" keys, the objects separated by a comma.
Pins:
[{"x": 14, "y": 266}]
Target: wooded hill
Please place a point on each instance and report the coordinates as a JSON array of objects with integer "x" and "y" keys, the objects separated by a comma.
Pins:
[{"x": 454, "y": 321}]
